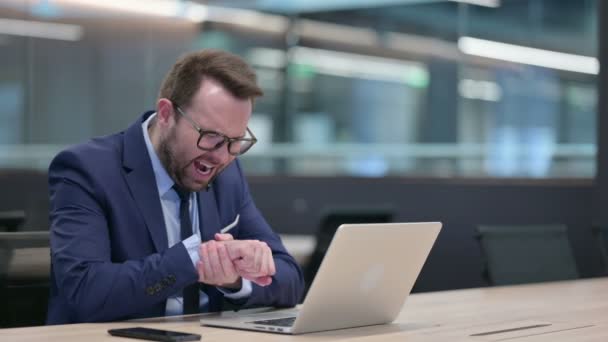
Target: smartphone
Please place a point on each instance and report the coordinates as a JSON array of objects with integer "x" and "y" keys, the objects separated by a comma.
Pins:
[{"x": 154, "y": 334}]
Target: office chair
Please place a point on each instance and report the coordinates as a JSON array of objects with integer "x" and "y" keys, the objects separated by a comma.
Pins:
[
  {"x": 25, "y": 196},
  {"x": 601, "y": 235},
  {"x": 24, "y": 278},
  {"x": 526, "y": 254},
  {"x": 329, "y": 224},
  {"x": 11, "y": 220}
]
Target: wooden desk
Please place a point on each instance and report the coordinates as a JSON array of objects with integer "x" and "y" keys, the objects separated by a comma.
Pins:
[
  {"x": 25, "y": 256},
  {"x": 561, "y": 311}
]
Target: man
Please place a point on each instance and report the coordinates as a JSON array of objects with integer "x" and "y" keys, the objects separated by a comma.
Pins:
[{"x": 136, "y": 216}]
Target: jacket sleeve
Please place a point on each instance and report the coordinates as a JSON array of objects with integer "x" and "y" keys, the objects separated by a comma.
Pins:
[
  {"x": 94, "y": 287},
  {"x": 288, "y": 282}
]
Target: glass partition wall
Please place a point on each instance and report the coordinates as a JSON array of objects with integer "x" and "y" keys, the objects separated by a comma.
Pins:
[{"x": 365, "y": 88}]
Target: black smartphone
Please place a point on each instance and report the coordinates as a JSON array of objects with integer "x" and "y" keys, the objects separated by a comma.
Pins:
[{"x": 154, "y": 334}]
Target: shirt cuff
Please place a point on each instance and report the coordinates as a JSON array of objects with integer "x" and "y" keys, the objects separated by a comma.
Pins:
[
  {"x": 244, "y": 292},
  {"x": 192, "y": 243}
]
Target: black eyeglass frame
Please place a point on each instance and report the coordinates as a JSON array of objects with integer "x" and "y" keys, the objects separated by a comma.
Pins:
[{"x": 226, "y": 139}]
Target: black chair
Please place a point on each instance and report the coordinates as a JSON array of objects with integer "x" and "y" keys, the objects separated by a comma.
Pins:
[
  {"x": 526, "y": 254},
  {"x": 329, "y": 224},
  {"x": 11, "y": 220},
  {"x": 24, "y": 278},
  {"x": 25, "y": 196},
  {"x": 601, "y": 236}
]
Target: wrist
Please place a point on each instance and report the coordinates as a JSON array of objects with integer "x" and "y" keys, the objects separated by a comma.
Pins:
[{"x": 238, "y": 284}]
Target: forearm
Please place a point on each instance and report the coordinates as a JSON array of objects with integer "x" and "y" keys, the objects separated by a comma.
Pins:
[{"x": 105, "y": 291}]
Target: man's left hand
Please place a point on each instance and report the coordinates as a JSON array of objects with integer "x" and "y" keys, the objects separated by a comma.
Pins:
[
  {"x": 216, "y": 267},
  {"x": 252, "y": 258}
]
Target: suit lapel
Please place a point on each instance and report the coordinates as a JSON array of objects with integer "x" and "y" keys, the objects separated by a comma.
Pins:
[
  {"x": 208, "y": 214},
  {"x": 141, "y": 181}
]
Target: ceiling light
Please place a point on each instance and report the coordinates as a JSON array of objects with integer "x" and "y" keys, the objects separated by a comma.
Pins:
[
  {"x": 528, "y": 55},
  {"x": 484, "y": 3},
  {"x": 40, "y": 29},
  {"x": 162, "y": 8}
]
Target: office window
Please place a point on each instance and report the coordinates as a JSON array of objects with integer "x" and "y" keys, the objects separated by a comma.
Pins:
[
  {"x": 499, "y": 88},
  {"x": 527, "y": 109}
]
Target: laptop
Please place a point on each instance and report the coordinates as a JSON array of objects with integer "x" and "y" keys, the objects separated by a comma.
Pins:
[{"x": 364, "y": 279}]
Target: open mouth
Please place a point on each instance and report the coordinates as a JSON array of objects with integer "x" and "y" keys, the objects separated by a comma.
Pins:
[{"x": 203, "y": 168}]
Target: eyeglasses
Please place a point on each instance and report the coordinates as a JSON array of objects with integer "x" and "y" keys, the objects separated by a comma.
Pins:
[{"x": 211, "y": 140}]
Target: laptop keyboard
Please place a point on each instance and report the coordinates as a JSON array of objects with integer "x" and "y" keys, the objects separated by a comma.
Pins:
[{"x": 280, "y": 322}]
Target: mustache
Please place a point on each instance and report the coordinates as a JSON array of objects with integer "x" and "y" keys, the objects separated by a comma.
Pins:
[{"x": 176, "y": 171}]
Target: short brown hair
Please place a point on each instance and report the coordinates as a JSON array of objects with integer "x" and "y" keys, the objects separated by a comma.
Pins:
[{"x": 184, "y": 78}]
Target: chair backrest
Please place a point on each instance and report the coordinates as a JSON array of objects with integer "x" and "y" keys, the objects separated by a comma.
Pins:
[
  {"x": 24, "y": 278},
  {"x": 601, "y": 235},
  {"x": 526, "y": 253},
  {"x": 327, "y": 229},
  {"x": 26, "y": 190},
  {"x": 11, "y": 220}
]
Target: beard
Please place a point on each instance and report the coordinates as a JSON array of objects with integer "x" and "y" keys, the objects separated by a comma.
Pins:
[{"x": 169, "y": 159}]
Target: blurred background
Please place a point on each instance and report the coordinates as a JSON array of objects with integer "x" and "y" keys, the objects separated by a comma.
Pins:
[
  {"x": 372, "y": 88},
  {"x": 470, "y": 112}
]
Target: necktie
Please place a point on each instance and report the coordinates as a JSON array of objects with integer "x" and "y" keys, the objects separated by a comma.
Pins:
[{"x": 190, "y": 295}]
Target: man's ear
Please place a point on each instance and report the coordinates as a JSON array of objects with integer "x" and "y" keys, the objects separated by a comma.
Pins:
[{"x": 164, "y": 111}]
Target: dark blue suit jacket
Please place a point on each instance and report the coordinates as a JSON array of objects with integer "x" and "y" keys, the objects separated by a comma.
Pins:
[{"x": 109, "y": 253}]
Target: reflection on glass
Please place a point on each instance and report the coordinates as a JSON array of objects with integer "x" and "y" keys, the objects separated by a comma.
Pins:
[{"x": 441, "y": 88}]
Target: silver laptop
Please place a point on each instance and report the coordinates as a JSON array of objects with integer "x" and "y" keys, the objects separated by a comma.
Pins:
[{"x": 364, "y": 279}]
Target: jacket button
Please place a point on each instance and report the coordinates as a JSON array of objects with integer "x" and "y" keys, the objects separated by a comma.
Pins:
[
  {"x": 150, "y": 290},
  {"x": 166, "y": 282}
]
